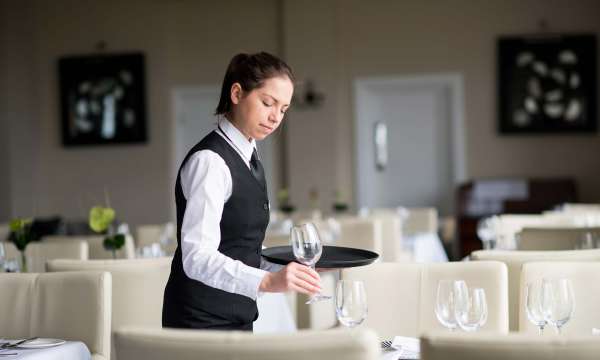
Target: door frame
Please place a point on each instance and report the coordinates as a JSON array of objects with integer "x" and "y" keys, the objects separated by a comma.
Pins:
[{"x": 451, "y": 82}]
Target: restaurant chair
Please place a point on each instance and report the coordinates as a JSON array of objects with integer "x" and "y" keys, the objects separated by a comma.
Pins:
[
  {"x": 160, "y": 344},
  {"x": 559, "y": 238},
  {"x": 96, "y": 246},
  {"x": 401, "y": 298},
  {"x": 513, "y": 346},
  {"x": 70, "y": 306},
  {"x": 514, "y": 260},
  {"x": 137, "y": 290},
  {"x": 37, "y": 253},
  {"x": 361, "y": 233},
  {"x": 586, "y": 288}
]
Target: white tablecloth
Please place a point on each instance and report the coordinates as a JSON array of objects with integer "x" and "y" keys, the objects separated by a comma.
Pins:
[
  {"x": 274, "y": 315},
  {"x": 425, "y": 247},
  {"x": 71, "y": 350}
]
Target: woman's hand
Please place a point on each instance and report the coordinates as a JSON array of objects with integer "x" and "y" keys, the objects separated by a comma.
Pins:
[{"x": 294, "y": 277}]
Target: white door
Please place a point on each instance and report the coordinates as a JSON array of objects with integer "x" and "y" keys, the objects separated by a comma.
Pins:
[
  {"x": 422, "y": 117},
  {"x": 194, "y": 108}
]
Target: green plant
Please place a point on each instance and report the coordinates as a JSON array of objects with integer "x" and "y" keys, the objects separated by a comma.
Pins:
[
  {"x": 283, "y": 199},
  {"x": 21, "y": 229},
  {"x": 339, "y": 205},
  {"x": 101, "y": 219}
]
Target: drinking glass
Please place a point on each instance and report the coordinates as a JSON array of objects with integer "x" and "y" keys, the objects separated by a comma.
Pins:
[
  {"x": 470, "y": 308},
  {"x": 558, "y": 301},
  {"x": 485, "y": 232},
  {"x": 444, "y": 304},
  {"x": 350, "y": 302},
  {"x": 533, "y": 305},
  {"x": 307, "y": 248}
]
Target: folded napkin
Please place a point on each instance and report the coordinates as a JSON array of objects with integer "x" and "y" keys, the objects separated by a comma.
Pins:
[{"x": 406, "y": 343}]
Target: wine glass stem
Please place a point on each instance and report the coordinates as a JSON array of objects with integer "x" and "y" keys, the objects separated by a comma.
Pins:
[
  {"x": 558, "y": 330},
  {"x": 541, "y": 330}
]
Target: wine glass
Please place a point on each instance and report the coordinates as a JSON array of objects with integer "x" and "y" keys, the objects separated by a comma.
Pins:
[
  {"x": 558, "y": 301},
  {"x": 444, "y": 304},
  {"x": 485, "y": 232},
  {"x": 307, "y": 248},
  {"x": 350, "y": 302},
  {"x": 533, "y": 305},
  {"x": 470, "y": 308}
]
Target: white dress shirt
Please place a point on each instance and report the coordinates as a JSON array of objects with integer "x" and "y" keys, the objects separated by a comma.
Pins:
[{"x": 207, "y": 185}]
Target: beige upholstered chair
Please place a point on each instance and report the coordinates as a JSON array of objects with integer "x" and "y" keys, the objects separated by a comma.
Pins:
[
  {"x": 586, "y": 288},
  {"x": 71, "y": 306},
  {"x": 361, "y": 233},
  {"x": 401, "y": 297},
  {"x": 515, "y": 260},
  {"x": 391, "y": 236},
  {"x": 37, "y": 253},
  {"x": 11, "y": 251},
  {"x": 160, "y": 344},
  {"x": 560, "y": 238},
  {"x": 420, "y": 220},
  {"x": 96, "y": 246},
  {"x": 513, "y": 346},
  {"x": 138, "y": 287}
]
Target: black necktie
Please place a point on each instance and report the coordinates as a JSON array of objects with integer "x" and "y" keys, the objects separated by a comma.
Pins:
[{"x": 257, "y": 169}]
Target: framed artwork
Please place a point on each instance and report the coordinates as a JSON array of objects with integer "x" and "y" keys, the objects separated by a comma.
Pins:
[
  {"x": 547, "y": 84},
  {"x": 102, "y": 99}
]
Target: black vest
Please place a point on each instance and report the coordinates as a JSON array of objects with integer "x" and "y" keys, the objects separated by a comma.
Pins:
[{"x": 189, "y": 303}]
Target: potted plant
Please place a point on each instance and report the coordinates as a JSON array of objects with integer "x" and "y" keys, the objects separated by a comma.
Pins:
[
  {"x": 339, "y": 205},
  {"x": 22, "y": 236},
  {"x": 101, "y": 221}
]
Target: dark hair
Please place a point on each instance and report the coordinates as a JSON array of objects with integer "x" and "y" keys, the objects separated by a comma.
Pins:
[{"x": 250, "y": 71}]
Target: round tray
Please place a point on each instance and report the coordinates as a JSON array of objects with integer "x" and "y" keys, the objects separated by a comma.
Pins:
[{"x": 332, "y": 256}]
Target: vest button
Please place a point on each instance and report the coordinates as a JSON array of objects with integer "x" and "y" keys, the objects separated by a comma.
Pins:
[{"x": 266, "y": 206}]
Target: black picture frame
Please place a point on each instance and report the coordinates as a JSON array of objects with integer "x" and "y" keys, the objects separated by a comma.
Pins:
[
  {"x": 547, "y": 84},
  {"x": 103, "y": 99}
]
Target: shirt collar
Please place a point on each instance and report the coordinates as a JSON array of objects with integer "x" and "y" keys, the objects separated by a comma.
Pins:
[{"x": 237, "y": 138}]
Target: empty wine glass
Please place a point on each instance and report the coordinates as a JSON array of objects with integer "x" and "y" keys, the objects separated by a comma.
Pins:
[
  {"x": 485, "y": 232},
  {"x": 351, "y": 302},
  {"x": 307, "y": 248},
  {"x": 533, "y": 305},
  {"x": 558, "y": 301},
  {"x": 444, "y": 304},
  {"x": 470, "y": 308}
]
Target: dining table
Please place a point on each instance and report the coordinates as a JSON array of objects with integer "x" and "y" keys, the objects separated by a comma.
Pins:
[{"x": 72, "y": 350}]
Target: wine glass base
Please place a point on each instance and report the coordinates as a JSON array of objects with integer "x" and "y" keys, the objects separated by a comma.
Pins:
[{"x": 318, "y": 298}]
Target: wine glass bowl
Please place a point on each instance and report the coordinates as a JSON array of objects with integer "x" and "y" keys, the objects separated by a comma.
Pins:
[
  {"x": 351, "y": 302},
  {"x": 470, "y": 308},
  {"x": 307, "y": 249},
  {"x": 444, "y": 304},
  {"x": 533, "y": 305},
  {"x": 558, "y": 301}
]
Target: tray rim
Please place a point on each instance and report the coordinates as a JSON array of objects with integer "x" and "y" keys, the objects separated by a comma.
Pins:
[{"x": 333, "y": 264}]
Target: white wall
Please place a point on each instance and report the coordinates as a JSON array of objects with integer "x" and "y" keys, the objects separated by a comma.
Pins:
[{"x": 189, "y": 42}]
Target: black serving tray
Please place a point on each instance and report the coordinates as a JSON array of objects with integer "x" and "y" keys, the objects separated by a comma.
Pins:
[{"x": 332, "y": 256}]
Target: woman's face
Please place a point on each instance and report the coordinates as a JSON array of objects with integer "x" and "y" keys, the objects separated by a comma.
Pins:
[{"x": 259, "y": 112}]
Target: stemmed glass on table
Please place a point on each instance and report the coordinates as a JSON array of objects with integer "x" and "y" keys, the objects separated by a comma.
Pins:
[
  {"x": 558, "y": 301},
  {"x": 307, "y": 248},
  {"x": 351, "y": 302},
  {"x": 459, "y": 306}
]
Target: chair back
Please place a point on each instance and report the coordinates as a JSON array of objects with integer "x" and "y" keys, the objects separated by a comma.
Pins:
[
  {"x": 559, "y": 238},
  {"x": 361, "y": 233},
  {"x": 514, "y": 260},
  {"x": 70, "y": 306},
  {"x": 513, "y": 346},
  {"x": 401, "y": 297},
  {"x": 37, "y": 253},
  {"x": 138, "y": 287},
  {"x": 160, "y": 344},
  {"x": 96, "y": 246},
  {"x": 586, "y": 289}
]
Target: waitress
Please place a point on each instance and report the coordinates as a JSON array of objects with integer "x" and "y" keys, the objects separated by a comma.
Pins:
[{"x": 223, "y": 209}]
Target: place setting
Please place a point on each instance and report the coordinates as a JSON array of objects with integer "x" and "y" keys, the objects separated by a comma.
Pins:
[{"x": 40, "y": 348}]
